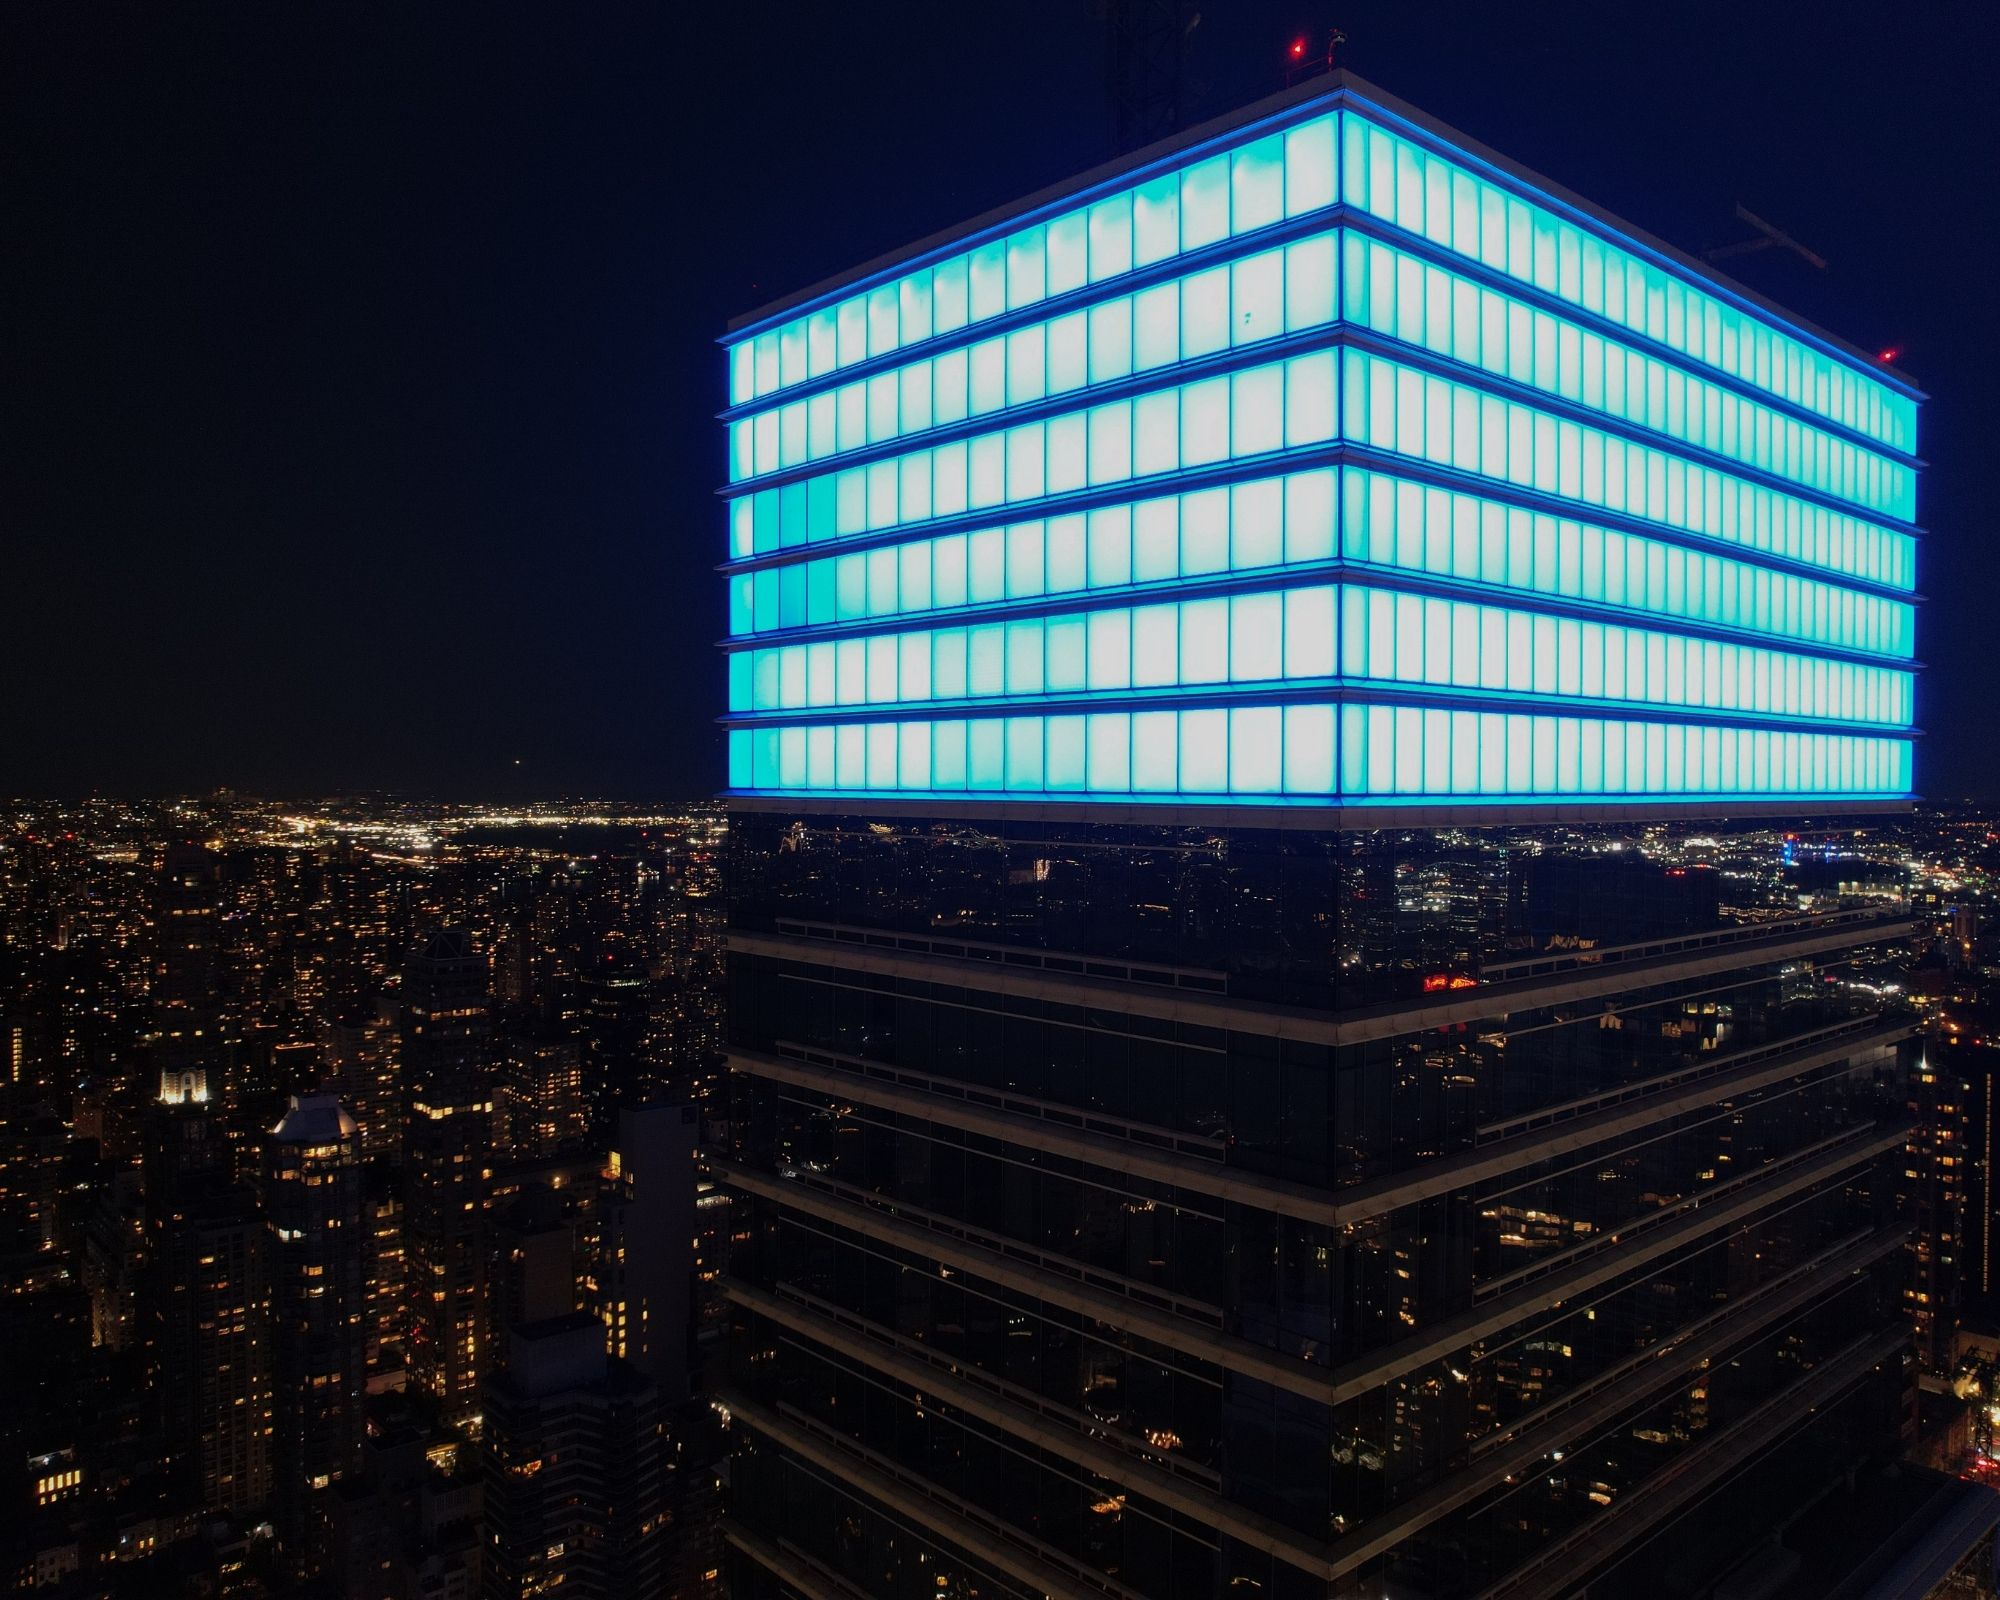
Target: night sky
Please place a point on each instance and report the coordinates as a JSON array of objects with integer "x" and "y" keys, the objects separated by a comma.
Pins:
[{"x": 362, "y": 380}]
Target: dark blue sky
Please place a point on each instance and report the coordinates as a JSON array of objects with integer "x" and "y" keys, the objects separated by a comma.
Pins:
[{"x": 363, "y": 379}]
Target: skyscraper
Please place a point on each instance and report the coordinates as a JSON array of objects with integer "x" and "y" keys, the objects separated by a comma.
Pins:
[
  {"x": 620, "y": 1065},
  {"x": 531, "y": 1255},
  {"x": 447, "y": 1146},
  {"x": 1212, "y": 1114},
  {"x": 187, "y": 1040},
  {"x": 539, "y": 1106},
  {"x": 314, "y": 1204},
  {"x": 358, "y": 1061},
  {"x": 574, "y": 1449},
  {"x": 647, "y": 1254},
  {"x": 205, "y": 1311}
]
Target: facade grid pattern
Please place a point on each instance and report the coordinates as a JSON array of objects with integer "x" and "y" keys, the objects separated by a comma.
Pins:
[{"x": 1464, "y": 498}]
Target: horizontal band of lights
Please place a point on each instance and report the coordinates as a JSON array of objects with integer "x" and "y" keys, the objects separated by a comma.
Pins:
[
  {"x": 1267, "y": 524},
  {"x": 1399, "y": 409},
  {"x": 1290, "y": 174},
  {"x": 1289, "y": 404},
  {"x": 1240, "y": 303},
  {"x": 1292, "y": 290},
  {"x": 1324, "y": 753},
  {"x": 1261, "y": 524},
  {"x": 1405, "y": 298},
  {"x": 1389, "y": 176},
  {"x": 1413, "y": 527},
  {"x": 1313, "y": 633},
  {"x": 1279, "y": 406},
  {"x": 1238, "y": 192}
]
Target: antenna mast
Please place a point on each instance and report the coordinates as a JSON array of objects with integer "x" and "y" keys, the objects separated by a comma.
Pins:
[
  {"x": 1149, "y": 83},
  {"x": 1768, "y": 238}
]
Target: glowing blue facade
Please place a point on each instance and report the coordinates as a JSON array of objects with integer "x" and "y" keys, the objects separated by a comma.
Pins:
[{"x": 1325, "y": 462}]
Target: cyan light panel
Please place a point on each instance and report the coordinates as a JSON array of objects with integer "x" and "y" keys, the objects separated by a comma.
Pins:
[
  {"x": 1395, "y": 293},
  {"x": 1251, "y": 411},
  {"x": 1234, "y": 193},
  {"x": 1325, "y": 408},
  {"x": 1289, "y": 290},
  {"x": 1453, "y": 424},
  {"x": 1356, "y": 634},
  {"x": 1437, "y": 196},
  {"x": 1356, "y": 752},
  {"x": 1262, "y": 524},
  {"x": 1424, "y": 529}
]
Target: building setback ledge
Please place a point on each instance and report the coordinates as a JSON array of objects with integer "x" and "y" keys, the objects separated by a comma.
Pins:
[
  {"x": 1151, "y": 1481},
  {"x": 1162, "y": 1327},
  {"x": 1558, "y": 1566},
  {"x": 1641, "y": 1107},
  {"x": 1538, "y": 1434},
  {"x": 1125, "y": 1156},
  {"x": 1611, "y": 1257},
  {"x": 794, "y": 1570},
  {"x": 1637, "y": 1106},
  {"x": 925, "y": 1506},
  {"x": 1306, "y": 1025},
  {"x": 1500, "y": 1457}
]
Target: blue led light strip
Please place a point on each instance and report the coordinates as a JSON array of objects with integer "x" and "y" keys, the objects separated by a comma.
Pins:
[
  {"x": 1356, "y": 632},
  {"x": 1315, "y": 752}
]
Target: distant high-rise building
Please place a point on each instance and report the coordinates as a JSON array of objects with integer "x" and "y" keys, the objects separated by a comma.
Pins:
[
  {"x": 1942, "y": 1187},
  {"x": 1958, "y": 1121},
  {"x": 646, "y": 1265},
  {"x": 314, "y": 1204},
  {"x": 531, "y": 1263},
  {"x": 358, "y": 1061},
  {"x": 112, "y": 1237},
  {"x": 688, "y": 989},
  {"x": 387, "y": 1288},
  {"x": 575, "y": 1454},
  {"x": 32, "y": 1146},
  {"x": 404, "y": 1527},
  {"x": 188, "y": 1048},
  {"x": 539, "y": 1106},
  {"x": 1211, "y": 1114},
  {"x": 447, "y": 1149},
  {"x": 1964, "y": 934},
  {"x": 620, "y": 1065},
  {"x": 205, "y": 1311}
]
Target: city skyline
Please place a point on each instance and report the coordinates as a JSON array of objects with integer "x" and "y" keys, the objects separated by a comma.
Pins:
[
  {"x": 317, "y": 1123},
  {"x": 1078, "y": 800},
  {"x": 421, "y": 549}
]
